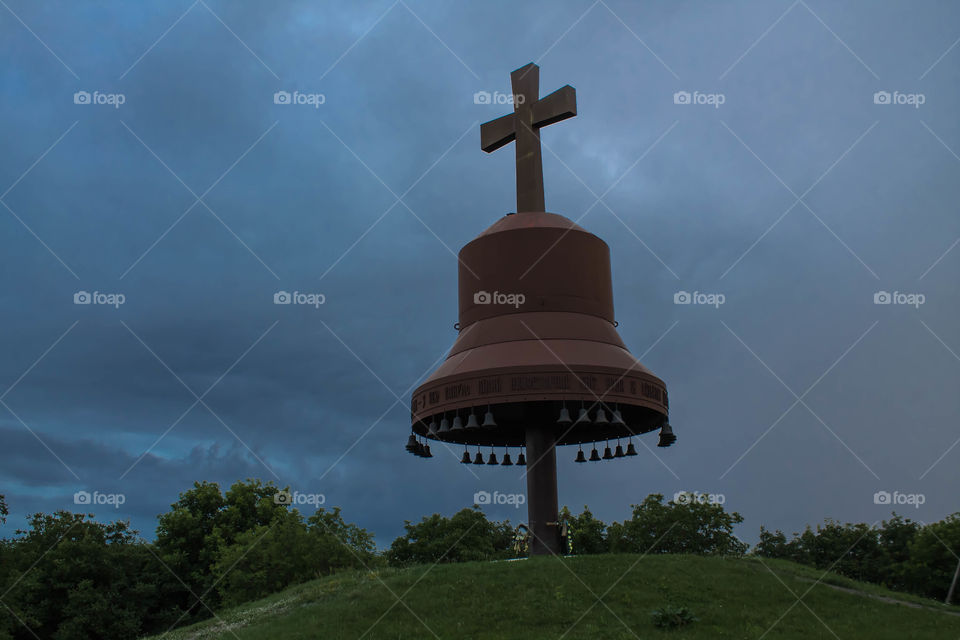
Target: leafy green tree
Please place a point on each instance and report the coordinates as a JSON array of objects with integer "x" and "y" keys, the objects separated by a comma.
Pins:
[
  {"x": 81, "y": 579},
  {"x": 688, "y": 526},
  {"x": 271, "y": 557},
  {"x": 588, "y": 534},
  {"x": 465, "y": 536},
  {"x": 200, "y": 524},
  {"x": 933, "y": 557}
]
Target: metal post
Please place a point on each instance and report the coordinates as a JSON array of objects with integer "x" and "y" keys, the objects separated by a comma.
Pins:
[
  {"x": 542, "y": 508},
  {"x": 953, "y": 585}
]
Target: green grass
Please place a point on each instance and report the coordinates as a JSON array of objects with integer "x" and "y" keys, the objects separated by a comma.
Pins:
[{"x": 548, "y": 597}]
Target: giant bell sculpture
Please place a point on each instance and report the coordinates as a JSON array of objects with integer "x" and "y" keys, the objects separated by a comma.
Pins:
[{"x": 538, "y": 362}]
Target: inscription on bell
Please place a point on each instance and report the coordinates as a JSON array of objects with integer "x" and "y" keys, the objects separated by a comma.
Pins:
[
  {"x": 540, "y": 383},
  {"x": 490, "y": 385},
  {"x": 454, "y": 391}
]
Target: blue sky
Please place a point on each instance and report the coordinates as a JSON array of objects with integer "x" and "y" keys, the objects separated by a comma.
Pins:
[{"x": 827, "y": 175}]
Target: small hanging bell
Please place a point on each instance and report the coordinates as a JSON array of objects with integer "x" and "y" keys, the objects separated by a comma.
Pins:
[
  {"x": 580, "y": 457},
  {"x": 493, "y": 458},
  {"x": 667, "y": 437},
  {"x": 411, "y": 443},
  {"x": 507, "y": 462},
  {"x": 521, "y": 460},
  {"x": 432, "y": 427},
  {"x": 584, "y": 417},
  {"x": 607, "y": 454},
  {"x": 466, "y": 458},
  {"x": 488, "y": 421},
  {"x": 631, "y": 450},
  {"x": 594, "y": 455},
  {"x": 564, "y": 418},
  {"x": 601, "y": 418},
  {"x": 478, "y": 459},
  {"x": 444, "y": 426},
  {"x": 619, "y": 451},
  {"x": 618, "y": 418},
  {"x": 472, "y": 422},
  {"x": 457, "y": 424},
  {"x": 419, "y": 450},
  {"x": 426, "y": 451}
]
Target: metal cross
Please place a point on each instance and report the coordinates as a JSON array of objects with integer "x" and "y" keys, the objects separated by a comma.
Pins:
[{"x": 530, "y": 112}]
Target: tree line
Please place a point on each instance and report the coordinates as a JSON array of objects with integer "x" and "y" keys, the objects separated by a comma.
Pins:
[{"x": 67, "y": 577}]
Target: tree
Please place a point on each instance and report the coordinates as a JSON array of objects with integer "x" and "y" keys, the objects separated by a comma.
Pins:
[
  {"x": 82, "y": 579},
  {"x": 588, "y": 534},
  {"x": 201, "y": 523},
  {"x": 466, "y": 536},
  {"x": 932, "y": 563},
  {"x": 271, "y": 557},
  {"x": 689, "y": 526}
]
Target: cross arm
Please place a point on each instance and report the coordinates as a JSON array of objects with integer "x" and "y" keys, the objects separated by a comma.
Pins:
[
  {"x": 559, "y": 105},
  {"x": 497, "y": 133}
]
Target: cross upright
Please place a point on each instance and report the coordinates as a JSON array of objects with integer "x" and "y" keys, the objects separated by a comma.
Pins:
[{"x": 530, "y": 112}]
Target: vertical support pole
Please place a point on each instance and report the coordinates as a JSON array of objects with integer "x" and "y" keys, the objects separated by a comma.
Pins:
[
  {"x": 542, "y": 509},
  {"x": 953, "y": 585}
]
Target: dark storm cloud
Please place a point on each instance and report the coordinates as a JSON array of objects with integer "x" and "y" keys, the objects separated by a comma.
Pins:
[{"x": 199, "y": 198}]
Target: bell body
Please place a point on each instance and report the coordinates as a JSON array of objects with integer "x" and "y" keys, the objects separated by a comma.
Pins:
[{"x": 537, "y": 330}]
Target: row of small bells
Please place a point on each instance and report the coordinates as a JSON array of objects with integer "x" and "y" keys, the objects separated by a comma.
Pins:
[{"x": 421, "y": 449}]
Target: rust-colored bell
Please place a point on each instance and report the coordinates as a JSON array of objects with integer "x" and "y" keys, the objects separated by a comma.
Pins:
[
  {"x": 493, "y": 458},
  {"x": 667, "y": 437},
  {"x": 607, "y": 454},
  {"x": 594, "y": 455},
  {"x": 488, "y": 421},
  {"x": 580, "y": 457},
  {"x": 564, "y": 419},
  {"x": 521, "y": 460},
  {"x": 631, "y": 450},
  {"x": 472, "y": 422},
  {"x": 466, "y": 458}
]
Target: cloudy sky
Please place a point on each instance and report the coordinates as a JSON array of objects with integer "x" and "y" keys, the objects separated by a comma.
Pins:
[{"x": 145, "y": 159}]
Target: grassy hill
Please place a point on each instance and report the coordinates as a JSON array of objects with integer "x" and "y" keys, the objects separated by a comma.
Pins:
[{"x": 548, "y": 597}]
